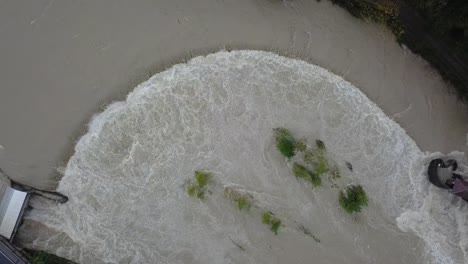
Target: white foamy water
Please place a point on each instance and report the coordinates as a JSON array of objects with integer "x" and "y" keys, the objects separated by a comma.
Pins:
[{"x": 126, "y": 179}]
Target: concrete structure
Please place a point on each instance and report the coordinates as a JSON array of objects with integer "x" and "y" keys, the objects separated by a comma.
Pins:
[
  {"x": 9, "y": 254},
  {"x": 11, "y": 211}
]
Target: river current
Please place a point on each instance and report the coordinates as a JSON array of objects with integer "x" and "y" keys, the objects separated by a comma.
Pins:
[{"x": 127, "y": 179}]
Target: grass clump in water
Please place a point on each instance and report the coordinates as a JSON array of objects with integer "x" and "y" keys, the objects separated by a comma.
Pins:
[
  {"x": 301, "y": 146},
  {"x": 322, "y": 166},
  {"x": 334, "y": 175},
  {"x": 353, "y": 199},
  {"x": 269, "y": 219},
  {"x": 320, "y": 145},
  {"x": 192, "y": 190},
  {"x": 275, "y": 225},
  {"x": 198, "y": 188},
  {"x": 309, "y": 157},
  {"x": 285, "y": 142},
  {"x": 243, "y": 203},
  {"x": 202, "y": 178},
  {"x": 303, "y": 173},
  {"x": 266, "y": 218}
]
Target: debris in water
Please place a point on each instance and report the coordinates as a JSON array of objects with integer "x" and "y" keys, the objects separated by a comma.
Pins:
[{"x": 307, "y": 232}]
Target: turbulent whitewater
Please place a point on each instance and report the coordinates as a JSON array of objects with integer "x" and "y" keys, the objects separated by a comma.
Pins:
[{"x": 128, "y": 203}]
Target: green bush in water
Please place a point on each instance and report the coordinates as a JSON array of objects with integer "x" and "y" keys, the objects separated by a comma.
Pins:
[
  {"x": 266, "y": 218},
  {"x": 275, "y": 225},
  {"x": 303, "y": 173},
  {"x": 202, "y": 178},
  {"x": 285, "y": 143},
  {"x": 322, "y": 166},
  {"x": 353, "y": 199},
  {"x": 269, "y": 219}
]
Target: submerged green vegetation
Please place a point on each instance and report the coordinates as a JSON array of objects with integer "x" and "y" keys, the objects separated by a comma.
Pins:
[
  {"x": 353, "y": 199},
  {"x": 243, "y": 204},
  {"x": 243, "y": 200},
  {"x": 301, "y": 146},
  {"x": 322, "y": 166},
  {"x": 285, "y": 142},
  {"x": 302, "y": 172},
  {"x": 320, "y": 145},
  {"x": 198, "y": 188},
  {"x": 269, "y": 219},
  {"x": 334, "y": 175}
]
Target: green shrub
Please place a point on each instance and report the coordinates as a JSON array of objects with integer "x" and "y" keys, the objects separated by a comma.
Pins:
[
  {"x": 353, "y": 199},
  {"x": 303, "y": 173},
  {"x": 285, "y": 143}
]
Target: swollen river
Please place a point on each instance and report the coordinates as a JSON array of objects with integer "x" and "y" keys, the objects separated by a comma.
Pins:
[{"x": 127, "y": 179}]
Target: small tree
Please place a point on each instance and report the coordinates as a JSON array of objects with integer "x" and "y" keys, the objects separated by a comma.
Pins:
[{"x": 353, "y": 199}]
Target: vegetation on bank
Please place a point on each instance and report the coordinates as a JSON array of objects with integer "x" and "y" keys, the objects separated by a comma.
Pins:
[
  {"x": 42, "y": 257},
  {"x": 448, "y": 18},
  {"x": 437, "y": 30},
  {"x": 353, "y": 199}
]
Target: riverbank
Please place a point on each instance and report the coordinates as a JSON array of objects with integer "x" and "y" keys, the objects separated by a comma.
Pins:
[{"x": 435, "y": 30}]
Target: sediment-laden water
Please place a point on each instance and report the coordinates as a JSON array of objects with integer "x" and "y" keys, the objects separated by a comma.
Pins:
[{"x": 126, "y": 181}]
